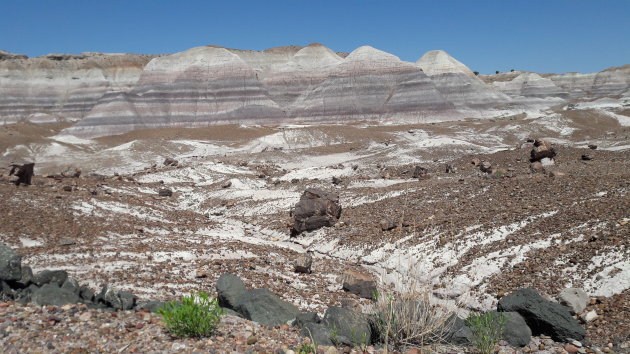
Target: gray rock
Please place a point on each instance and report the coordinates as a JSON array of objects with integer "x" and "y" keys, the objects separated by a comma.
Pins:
[
  {"x": 27, "y": 276},
  {"x": 230, "y": 289},
  {"x": 127, "y": 299},
  {"x": 152, "y": 306},
  {"x": 349, "y": 324},
  {"x": 26, "y": 294},
  {"x": 71, "y": 285},
  {"x": 227, "y": 311},
  {"x": 10, "y": 264},
  {"x": 542, "y": 316},
  {"x": 575, "y": 299},
  {"x": 320, "y": 334},
  {"x": 51, "y": 294},
  {"x": 316, "y": 209},
  {"x": 456, "y": 332},
  {"x": 420, "y": 172},
  {"x": 165, "y": 192},
  {"x": 264, "y": 307},
  {"x": 57, "y": 277},
  {"x": 67, "y": 241},
  {"x": 516, "y": 331},
  {"x": 303, "y": 318},
  {"x": 7, "y": 292},
  {"x": 303, "y": 263},
  {"x": 86, "y": 293},
  {"x": 387, "y": 224}
]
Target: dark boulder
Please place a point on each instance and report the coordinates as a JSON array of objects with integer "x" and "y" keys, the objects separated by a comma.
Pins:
[
  {"x": 56, "y": 277},
  {"x": 316, "y": 209},
  {"x": 151, "y": 306},
  {"x": 72, "y": 285},
  {"x": 230, "y": 289},
  {"x": 10, "y": 264},
  {"x": 515, "y": 331},
  {"x": 456, "y": 332},
  {"x": 264, "y": 307},
  {"x": 352, "y": 325},
  {"x": 542, "y": 316},
  {"x": 322, "y": 335},
  {"x": 24, "y": 173},
  {"x": 169, "y": 161},
  {"x": 165, "y": 192},
  {"x": 51, "y": 294}
]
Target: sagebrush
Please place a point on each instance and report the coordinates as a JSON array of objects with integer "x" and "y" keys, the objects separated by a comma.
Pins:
[{"x": 194, "y": 316}]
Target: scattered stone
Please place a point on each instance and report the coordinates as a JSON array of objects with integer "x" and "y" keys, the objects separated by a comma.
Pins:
[
  {"x": 24, "y": 173},
  {"x": 56, "y": 277},
  {"x": 586, "y": 157},
  {"x": 169, "y": 161},
  {"x": 475, "y": 161},
  {"x": 541, "y": 150},
  {"x": 556, "y": 174},
  {"x": 336, "y": 181},
  {"x": 387, "y": 224},
  {"x": 264, "y": 307},
  {"x": 52, "y": 294},
  {"x": 360, "y": 284},
  {"x": 547, "y": 162},
  {"x": 351, "y": 325},
  {"x": 536, "y": 167},
  {"x": 570, "y": 348},
  {"x": 71, "y": 172},
  {"x": 315, "y": 209},
  {"x": 575, "y": 299},
  {"x": 592, "y": 146},
  {"x": 67, "y": 188},
  {"x": 71, "y": 285},
  {"x": 230, "y": 289},
  {"x": 165, "y": 192},
  {"x": 303, "y": 263},
  {"x": 227, "y": 184},
  {"x": 67, "y": 241},
  {"x": 485, "y": 167},
  {"x": 542, "y": 316},
  {"x": 420, "y": 172},
  {"x": 10, "y": 264},
  {"x": 151, "y": 306},
  {"x": 589, "y": 316},
  {"x": 450, "y": 168}
]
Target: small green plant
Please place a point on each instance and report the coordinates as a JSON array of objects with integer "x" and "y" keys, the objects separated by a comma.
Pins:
[
  {"x": 307, "y": 346},
  {"x": 487, "y": 330},
  {"x": 195, "y": 316}
]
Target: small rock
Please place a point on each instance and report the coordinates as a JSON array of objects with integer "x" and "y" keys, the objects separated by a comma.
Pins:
[
  {"x": 337, "y": 181},
  {"x": 556, "y": 174},
  {"x": 575, "y": 299},
  {"x": 592, "y": 146},
  {"x": 67, "y": 188},
  {"x": 450, "y": 169},
  {"x": 536, "y": 167},
  {"x": 67, "y": 241},
  {"x": 420, "y": 172},
  {"x": 361, "y": 284},
  {"x": 86, "y": 316},
  {"x": 303, "y": 263},
  {"x": 387, "y": 224},
  {"x": 165, "y": 192},
  {"x": 570, "y": 348},
  {"x": 485, "y": 167},
  {"x": 227, "y": 184},
  {"x": 252, "y": 340},
  {"x": 586, "y": 157},
  {"x": 589, "y": 316},
  {"x": 169, "y": 161},
  {"x": 475, "y": 161}
]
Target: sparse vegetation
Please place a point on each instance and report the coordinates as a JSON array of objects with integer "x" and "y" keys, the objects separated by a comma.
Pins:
[
  {"x": 195, "y": 316},
  {"x": 487, "y": 330},
  {"x": 410, "y": 319}
]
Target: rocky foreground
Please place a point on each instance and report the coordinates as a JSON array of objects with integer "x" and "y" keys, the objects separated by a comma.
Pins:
[{"x": 464, "y": 209}]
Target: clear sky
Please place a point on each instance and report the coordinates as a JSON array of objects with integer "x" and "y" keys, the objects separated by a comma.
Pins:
[{"x": 534, "y": 35}]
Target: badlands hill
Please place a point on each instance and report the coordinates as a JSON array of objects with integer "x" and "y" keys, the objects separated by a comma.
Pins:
[{"x": 108, "y": 94}]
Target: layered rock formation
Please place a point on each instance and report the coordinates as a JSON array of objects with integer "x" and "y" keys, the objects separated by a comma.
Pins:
[
  {"x": 459, "y": 85},
  {"x": 116, "y": 93},
  {"x": 61, "y": 86}
]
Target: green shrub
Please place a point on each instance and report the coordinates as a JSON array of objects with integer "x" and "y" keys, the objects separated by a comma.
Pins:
[
  {"x": 487, "y": 330},
  {"x": 195, "y": 316}
]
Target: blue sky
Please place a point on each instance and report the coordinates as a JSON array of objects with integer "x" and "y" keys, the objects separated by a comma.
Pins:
[{"x": 535, "y": 35}]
